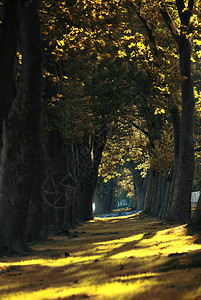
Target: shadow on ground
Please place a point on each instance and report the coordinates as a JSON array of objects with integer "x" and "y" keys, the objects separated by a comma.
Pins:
[{"x": 130, "y": 257}]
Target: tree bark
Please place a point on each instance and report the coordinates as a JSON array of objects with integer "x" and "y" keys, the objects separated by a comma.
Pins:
[
  {"x": 23, "y": 140},
  {"x": 149, "y": 192},
  {"x": 62, "y": 167},
  {"x": 181, "y": 208},
  {"x": 165, "y": 198},
  {"x": 88, "y": 174},
  {"x": 99, "y": 203},
  {"x": 84, "y": 170},
  {"x": 140, "y": 186},
  {"x": 70, "y": 220},
  {"x": 8, "y": 49},
  {"x": 155, "y": 209},
  {"x": 109, "y": 195},
  {"x": 175, "y": 117}
]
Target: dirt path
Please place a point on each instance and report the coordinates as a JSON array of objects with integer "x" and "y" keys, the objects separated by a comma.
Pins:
[{"x": 130, "y": 257}]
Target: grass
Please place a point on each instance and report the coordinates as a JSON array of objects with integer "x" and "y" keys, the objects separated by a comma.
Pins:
[{"x": 131, "y": 257}]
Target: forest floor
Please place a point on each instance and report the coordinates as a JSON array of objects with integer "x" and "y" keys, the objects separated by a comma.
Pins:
[{"x": 128, "y": 257}]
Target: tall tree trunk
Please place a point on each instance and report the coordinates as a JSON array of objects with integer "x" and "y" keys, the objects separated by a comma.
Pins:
[
  {"x": 156, "y": 205},
  {"x": 88, "y": 174},
  {"x": 61, "y": 178},
  {"x": 33, "y": 49},
  {"x": 165, "y": 198},
  {"x": 70, "y": 220},
  {"x": 175, "y": 118},
  {"x": 149, "y": 191},
  {"x": 140, "y": 186},
  {"x": 181, "y": 208},
  {"x": 99, "y": 203},
  {"x": 84, "y": 168},
  {"x": 22, "y": 137},
  {"x": 109, "y": 196},
  {"x": 8, "y": 48}
]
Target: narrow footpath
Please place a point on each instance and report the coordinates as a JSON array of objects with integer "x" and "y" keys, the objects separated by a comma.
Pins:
[{"x": 126, "y": 257}]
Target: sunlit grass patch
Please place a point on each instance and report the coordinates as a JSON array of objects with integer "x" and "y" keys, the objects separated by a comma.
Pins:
[
  {"x": 123, "y": 240},
  {"x": 8, "y": 287},
  {"x": 135, "y": 257},
  {"x": 164, "y": 242},
  {"x": 110, "y": 290}
]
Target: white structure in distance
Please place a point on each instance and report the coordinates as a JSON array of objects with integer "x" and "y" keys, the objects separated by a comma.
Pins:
[{"x": 194, "y": 197}]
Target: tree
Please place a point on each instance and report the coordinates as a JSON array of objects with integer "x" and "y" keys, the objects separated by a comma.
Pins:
[
  {"x": 83, "y": 58},
  {"x": 22, "y": 163},
  {"x": 179, "y": 205},
  {"x": 8, "y": 49}
]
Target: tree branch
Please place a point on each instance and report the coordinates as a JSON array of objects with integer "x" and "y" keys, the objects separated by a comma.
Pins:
[
  {"x": 143, "y": 131},
  {"x": 180, "y": 6},
  {"x": 146, "y": 25},
  {"x": 185, "y": 14},
  {"x": 170, "y": 23},
  {"x": 148, "y": 135},
  {"x": 190, "y": 4}
]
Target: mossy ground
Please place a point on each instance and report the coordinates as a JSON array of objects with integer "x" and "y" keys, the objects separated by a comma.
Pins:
[{"x": 133, "y": 257}]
